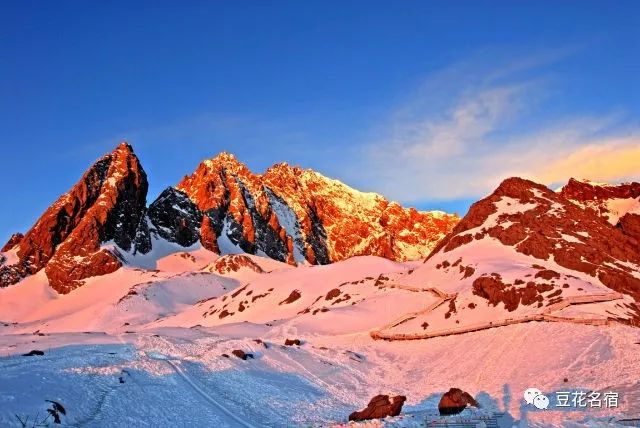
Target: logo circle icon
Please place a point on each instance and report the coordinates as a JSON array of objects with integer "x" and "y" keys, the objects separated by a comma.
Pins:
[
  {"x": 530, "y": 394},
  {"x": 541, "y": 402}
]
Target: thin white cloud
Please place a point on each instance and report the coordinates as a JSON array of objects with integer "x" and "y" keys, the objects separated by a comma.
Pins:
[{"x": 459, "y": 137}]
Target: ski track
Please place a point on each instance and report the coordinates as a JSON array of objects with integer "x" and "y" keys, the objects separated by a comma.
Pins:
[
  {"x": 202, "y": 393},
  {"x": 199, "y": 391}
]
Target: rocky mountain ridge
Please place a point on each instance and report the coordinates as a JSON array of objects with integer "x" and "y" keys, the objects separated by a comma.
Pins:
[
  {"x": 609, "y": 201},
  {"x": 287, "y": 213},
  {"x": 297, "y": 215},
  {"x": 107, "y": 204},
  {"x": 524, "y": 220}
]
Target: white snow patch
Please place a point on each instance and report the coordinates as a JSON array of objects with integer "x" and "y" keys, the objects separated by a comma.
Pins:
[
  {"x": 289, "y": 221},
  {"x": 225, "y": 244}
]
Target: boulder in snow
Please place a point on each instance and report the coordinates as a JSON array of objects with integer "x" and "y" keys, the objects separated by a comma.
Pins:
[
  {"x": 455, "y": 401},
  {"x": 379, "y": 407}
]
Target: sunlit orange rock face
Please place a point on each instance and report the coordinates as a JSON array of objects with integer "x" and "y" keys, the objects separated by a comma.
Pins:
[
  {"x": 609, "y": 201},
  {"x": 12, "y": 242},
  {"x": 288, "y": 214},
  {"x": 297, "y": 215},
  {"x": 107, "y": 204},
  {"x": 619, "y": 204},
  {"x": 551, "y": 226}
]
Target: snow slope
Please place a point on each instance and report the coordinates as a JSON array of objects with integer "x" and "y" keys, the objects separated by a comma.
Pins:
[
  {"x": 156, "y": 334},
  {"x": 178, "y": 377},
  {"x": 300, "y": 296}
]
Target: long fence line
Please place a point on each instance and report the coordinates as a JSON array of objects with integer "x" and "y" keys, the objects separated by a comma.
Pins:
[{"x": 380, "y": 333}]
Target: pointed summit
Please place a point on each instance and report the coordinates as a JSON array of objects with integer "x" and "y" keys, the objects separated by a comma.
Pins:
[
  {"x": 225, "y": 156},
  {"x": 223, "y": 161},
  {"x": 124, "y": 147},
  {"x": 107, "y": 204}
]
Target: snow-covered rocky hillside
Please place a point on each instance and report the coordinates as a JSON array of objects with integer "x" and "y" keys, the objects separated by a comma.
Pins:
[{"x": 171, "y": 319}]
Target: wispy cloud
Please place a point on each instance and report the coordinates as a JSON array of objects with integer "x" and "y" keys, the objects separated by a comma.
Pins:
[
  {"x": 470, "y": 127},
  {"x": 609, "y": 160}
]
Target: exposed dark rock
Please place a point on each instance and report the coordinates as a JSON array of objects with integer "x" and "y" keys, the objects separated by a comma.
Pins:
[
  {"x": 547, "y": 274},
  {"x": 332, "y": 294},
  {"x": 596, "y": 248},
  {"x": 594, "y": 196},
  {"x": 233, "y": 263},
  {"x": 455, "y": 401},
  {"x": 495, "y": 291},
  {"x": 209, "y": 234},
  {"x": 379, "y": 407},
  {"x": 295, "y": 295},
  {"x": 291, "y": 342},
  {"x": 246, "y": 207},
  {"x": 241, "y": 354},
  {"x": 32, "y": 353},
  {"x": 175, "y": 217},
  {"x": 107, "y": 204},
  {"x": 142, "y": 239},
  {"x": 629, "y": 224}
]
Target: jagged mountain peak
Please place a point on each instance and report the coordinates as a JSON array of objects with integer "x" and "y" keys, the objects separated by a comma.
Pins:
[
  {"x": 284, "y": 170},
  {"x": 289, "y": 214},
  {"x": 299, "y": 215},
  {"x": 123, "y": 147},
  {"x": 106, "y": 204},
  {"x": 610, "y": 201},
  {"x": 223, "y": 161},
  {"x": 525, "y": 253}
]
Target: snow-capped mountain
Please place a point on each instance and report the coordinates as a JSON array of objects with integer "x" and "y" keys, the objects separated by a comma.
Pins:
[
  {"x": 296, "y": 215},
  {"x": 107, "y": 204},
  {"x": 524, "y": 265},
  {"x": 618, "y": 204},
  {"x": 287, "y": 214},
  {"x": 526, "y": 253}
]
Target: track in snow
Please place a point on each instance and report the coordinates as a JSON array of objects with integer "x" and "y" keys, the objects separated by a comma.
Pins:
[
  {"x": 234, "y": 420},
  {"x": 544, "y": 316}
]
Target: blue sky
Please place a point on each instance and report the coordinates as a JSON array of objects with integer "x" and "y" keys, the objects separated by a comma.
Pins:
[{"x": 430, "y": 103}]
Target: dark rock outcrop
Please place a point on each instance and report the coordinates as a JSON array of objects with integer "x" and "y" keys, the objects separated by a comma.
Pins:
[
  {"x": 455, "y": 401},
  {"x": 209, "y": 235},
  {"x": 233, "y": 263},
  {"x": 291, "y": 342},
  {"x": 596, "y": 196},
  {"x": 629, "y": 224},
  {"x": 175, "y": 217},
  {"x": 241, "y": 354},
  {"x": 380, "y": 406},
  {"x": 293, "y": 296},
  {"x": 495, "y": 291}
]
